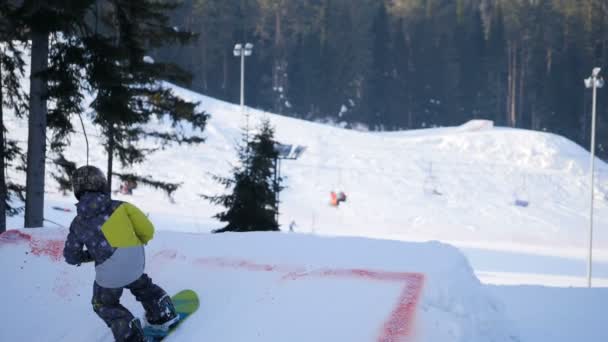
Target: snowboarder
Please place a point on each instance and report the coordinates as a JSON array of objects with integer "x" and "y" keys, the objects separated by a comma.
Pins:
[{"x": 114, "y": 234}]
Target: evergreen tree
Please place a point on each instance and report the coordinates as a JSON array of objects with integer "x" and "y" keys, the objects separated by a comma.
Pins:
[
  {"x": 471, "y": 66},
  {"x": 63, "y": 177},
  {"x": 168, "y": 187},
  {"x": 215, "y": 22},
  {"x": 12, "y": 69},
  {"x": 493, "y": 98},
  {"x": 128, "y": 83},
  {"x": 441, "y": 63},
  {"x": 252, "y": 205},
  {"x": 36, "y": 145},
  {"x": 305, "y": 71},
  {"x": 48, "y": 23},
  {"x": 376, "y": 106},
  {"x": 402, "y": 61}
]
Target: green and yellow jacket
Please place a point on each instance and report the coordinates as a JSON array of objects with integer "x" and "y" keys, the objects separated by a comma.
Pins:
[{"x": 114, "y": 234}]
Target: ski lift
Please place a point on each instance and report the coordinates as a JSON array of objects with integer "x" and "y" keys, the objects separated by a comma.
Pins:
[
  {"x": 68, "y": 210},
  {"x": 336, "y": 197},
  {"x": 521, "y": 195},
  {"x": 430, "y": 183}
]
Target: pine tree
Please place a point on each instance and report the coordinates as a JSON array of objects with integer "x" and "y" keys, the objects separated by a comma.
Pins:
[
  {"x": 63, "y": 177},
  {"x": 215, "y": 21},
  {"x": 36, "y": 145},
  {"x": 168, "y": 187},
  {"x": 346, "y": 57},
  {"x": 376, "y": 106},
  {"x": 54, "y": 86},
  {"x": 252, "y": 205},
  {"x": 128, "y": 83},
  {"x": 304, "y": 73},
  {"x": 12, "y": 68},
  {"x": 494, "y": 62}
]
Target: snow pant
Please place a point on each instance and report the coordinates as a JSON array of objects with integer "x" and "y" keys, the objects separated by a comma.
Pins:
[{"x": 106, "y": 303}]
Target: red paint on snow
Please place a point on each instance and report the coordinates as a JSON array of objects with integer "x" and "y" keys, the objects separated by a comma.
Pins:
[
  {"x": 170, "y": 254},
  {"x": 50, "y": 248},
  {"x": 354, "y": 273},
  {"x": 39, "y": 247},
  {"x": 397, "y": 327},
  {"x": 242, "y": 264},
  {"x": 400, "y": 322},
  {"x": 13, "y": 237},
  {"x": 63, "y": 287}
]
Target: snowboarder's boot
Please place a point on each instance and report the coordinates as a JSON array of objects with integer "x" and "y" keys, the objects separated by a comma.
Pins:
[
  {"x": 167, "y": 318},
  {"x": 137, "y": 332}
]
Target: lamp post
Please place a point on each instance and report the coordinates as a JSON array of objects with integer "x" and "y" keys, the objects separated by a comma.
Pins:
[
  {"x": 593, "y": 82},
  {"x": 243, "y": 51}
]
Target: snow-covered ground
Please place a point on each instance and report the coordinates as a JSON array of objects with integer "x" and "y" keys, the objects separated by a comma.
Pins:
[
  {"x": 457, "y": 185},
  {"x": 264, "y": 287}
]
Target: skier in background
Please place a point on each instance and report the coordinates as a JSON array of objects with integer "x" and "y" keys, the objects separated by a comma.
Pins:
[
  {"x": 292, "y": 225},
  {"x": 114, "y": 234}
]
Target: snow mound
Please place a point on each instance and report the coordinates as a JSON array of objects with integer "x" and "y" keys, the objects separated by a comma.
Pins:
[{"x": 273, "y": 286}]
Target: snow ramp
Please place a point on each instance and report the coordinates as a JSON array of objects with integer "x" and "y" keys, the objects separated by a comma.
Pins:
[{"x": 261, "y": 287}]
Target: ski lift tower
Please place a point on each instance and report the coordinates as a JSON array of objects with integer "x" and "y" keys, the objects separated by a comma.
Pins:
[
  {"x": 593, "y": 82},
  {"x": 286, "y": 152}
]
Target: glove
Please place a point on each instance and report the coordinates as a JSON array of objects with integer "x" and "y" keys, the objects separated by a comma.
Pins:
[{"x": 86, "y": 257}]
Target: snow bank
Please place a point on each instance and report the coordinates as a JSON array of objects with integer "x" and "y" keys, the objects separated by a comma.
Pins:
[
  {"x": 273, "y": 287},
  {"x": 556, "y": 314}
]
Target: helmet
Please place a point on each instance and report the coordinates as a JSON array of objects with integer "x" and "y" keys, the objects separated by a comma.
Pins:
[{"x": 88, "y": 179}]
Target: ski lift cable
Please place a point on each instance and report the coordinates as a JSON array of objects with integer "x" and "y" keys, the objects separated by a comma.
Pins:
[
  {"x": 55, "y": 223},
  {"x": 86, "y": 138}
]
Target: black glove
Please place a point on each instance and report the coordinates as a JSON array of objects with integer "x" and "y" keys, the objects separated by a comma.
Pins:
[{"x": 86, "y": 257}]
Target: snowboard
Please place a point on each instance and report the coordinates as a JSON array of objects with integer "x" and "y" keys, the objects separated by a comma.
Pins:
[{"x": 186, "y": 303}]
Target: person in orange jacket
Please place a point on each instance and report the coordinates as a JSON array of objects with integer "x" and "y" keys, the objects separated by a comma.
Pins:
[{"x": 333, "y": 199}]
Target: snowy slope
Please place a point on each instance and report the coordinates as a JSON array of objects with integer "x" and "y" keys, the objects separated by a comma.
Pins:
[{"x": 393, "y": 181}]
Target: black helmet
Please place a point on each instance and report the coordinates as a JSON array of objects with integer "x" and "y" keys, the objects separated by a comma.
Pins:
[{"x": 88, "y": 179}]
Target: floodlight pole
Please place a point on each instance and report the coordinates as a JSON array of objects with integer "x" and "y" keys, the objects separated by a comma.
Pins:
[
  {"x": 242, "y": 83},
  {"x": 243, "y": 51},
  {"x": 593, "y": 82}
]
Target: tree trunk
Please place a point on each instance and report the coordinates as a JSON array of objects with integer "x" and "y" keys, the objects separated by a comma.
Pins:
[
  {"x": 276, "y": 71},
  {"x": 36, "y": 144},
  {"x": 521, "y": 85},
  {"x": 204, "y": 62},
  {"x": 225, "y": 73},
  {"x": 280, "y": 64},
  {"x": 3, "y": 189},
  {"x": 512, "y": 92}
]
